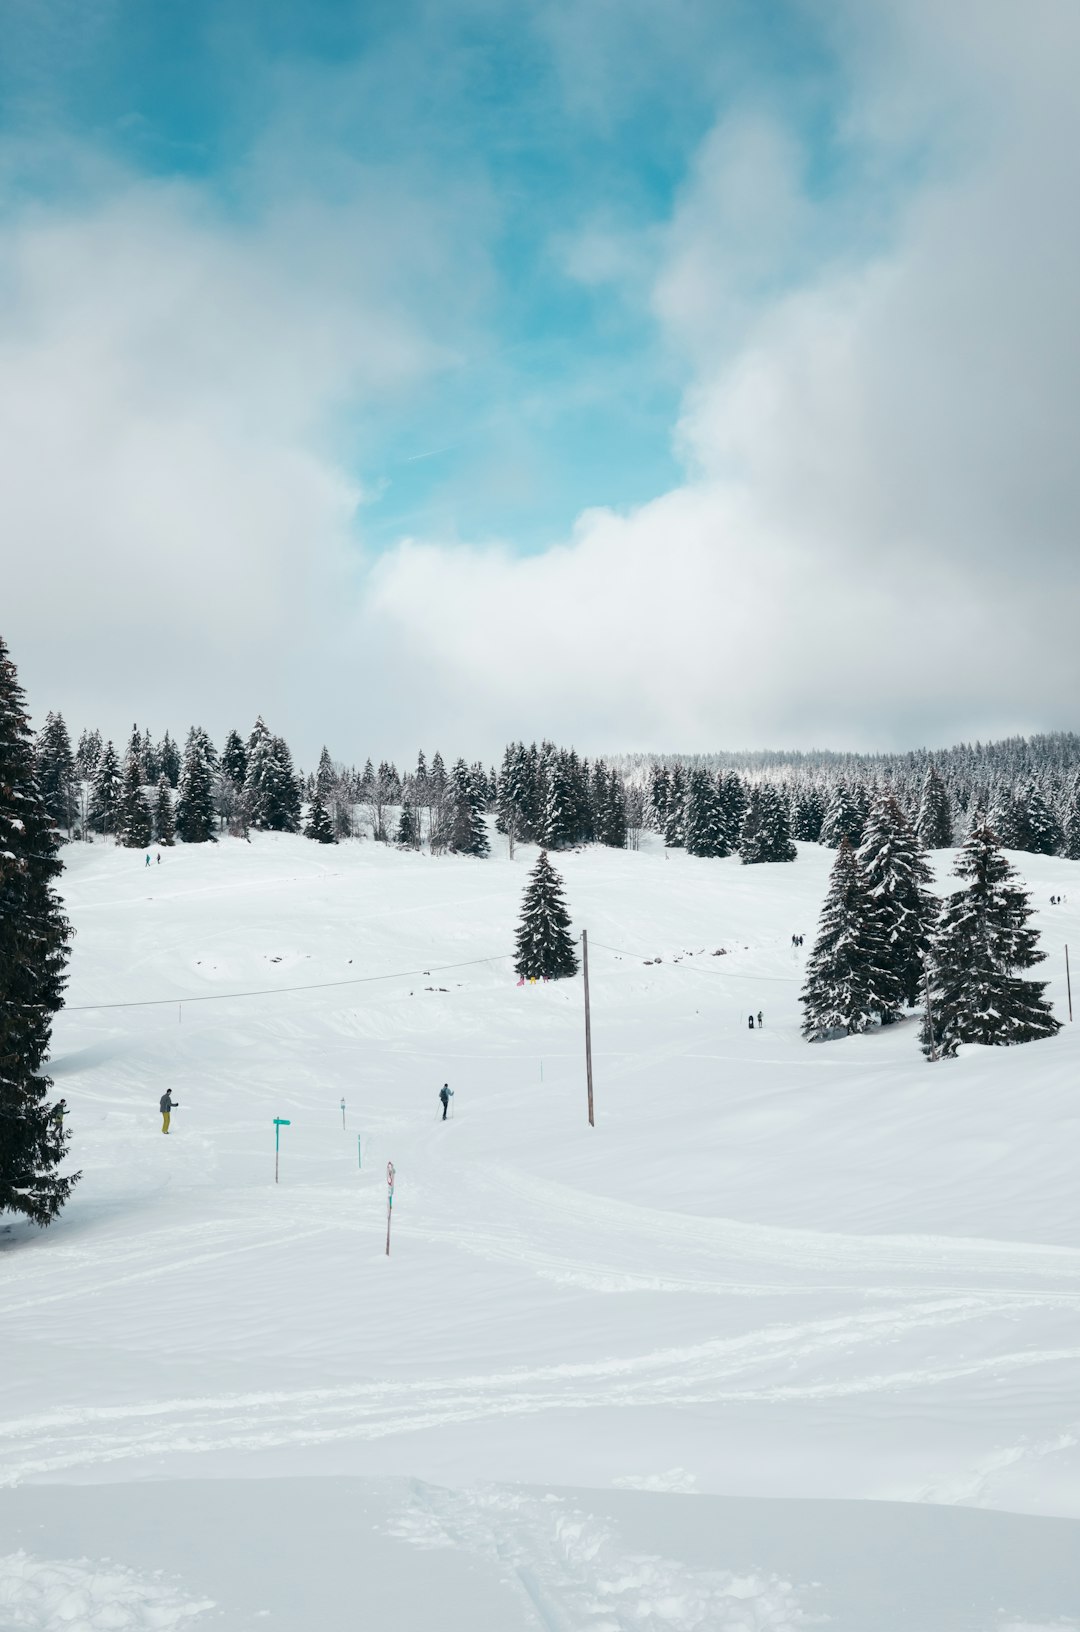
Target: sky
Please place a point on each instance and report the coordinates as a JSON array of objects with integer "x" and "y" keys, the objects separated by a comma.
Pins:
[{"x": 643, "y": 374}]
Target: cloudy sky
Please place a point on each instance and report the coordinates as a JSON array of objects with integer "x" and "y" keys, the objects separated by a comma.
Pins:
[{"x": 641, "y": 373}]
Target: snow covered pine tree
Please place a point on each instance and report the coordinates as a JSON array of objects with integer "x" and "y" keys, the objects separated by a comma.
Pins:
[
  {"x": 319, "y": 826},
  {"x": 33, "y": 951},
  {"x": 899, "y": 879},
  {"x": 545, "y": 947},
  {"x": 982, "y": 939},
  {"x": 849, "y": 985}
]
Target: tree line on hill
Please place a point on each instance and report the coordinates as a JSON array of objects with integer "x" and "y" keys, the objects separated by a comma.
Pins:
[{"x": 1027, "y": 791}]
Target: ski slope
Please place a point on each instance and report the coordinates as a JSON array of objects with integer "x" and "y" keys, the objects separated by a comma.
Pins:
[{"x": 776, "y": 1282}]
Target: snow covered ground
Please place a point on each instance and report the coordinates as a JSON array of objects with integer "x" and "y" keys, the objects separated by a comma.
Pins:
[{"x": 681, "y": 1370}]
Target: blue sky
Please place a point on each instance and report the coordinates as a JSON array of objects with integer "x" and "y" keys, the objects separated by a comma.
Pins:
[
  {"x": 556, "y": 394},
  {"x": 636, "y": 373}
]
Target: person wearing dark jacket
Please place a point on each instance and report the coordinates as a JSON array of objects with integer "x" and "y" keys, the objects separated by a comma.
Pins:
[
  {"x": 446, "y": 1093},
  {"x": 165, "y": 1106}
]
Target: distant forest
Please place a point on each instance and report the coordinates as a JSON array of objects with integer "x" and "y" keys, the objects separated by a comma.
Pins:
[{"x": 1026, "y": 789}]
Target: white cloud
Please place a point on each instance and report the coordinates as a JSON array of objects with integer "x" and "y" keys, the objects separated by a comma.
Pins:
[
  {"x": 178, "y": 530},
  {"x": 876, "y": 543}
]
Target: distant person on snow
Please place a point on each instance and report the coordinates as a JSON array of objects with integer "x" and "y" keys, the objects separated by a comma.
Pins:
[
  {"x": 750, "y": 1021},
  {"x": 159, "y": 858},
  {"x": 760, "y": 1019},
  {"x": 165, "y": 1106},
  {"x": 148, "y": 858},
  {"x": 446, "y": 1094}
]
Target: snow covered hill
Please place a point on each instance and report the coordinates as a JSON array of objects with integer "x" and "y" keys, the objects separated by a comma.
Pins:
[{"x": 807, "y": 1275}]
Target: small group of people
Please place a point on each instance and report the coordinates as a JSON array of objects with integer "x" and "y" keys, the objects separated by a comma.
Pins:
[
  {"x": 1056, "y": 900},
  {"x": 797, "y": 940},
  {"x": 158, "y": 858},
  {"x": 760, "y": 1020}
]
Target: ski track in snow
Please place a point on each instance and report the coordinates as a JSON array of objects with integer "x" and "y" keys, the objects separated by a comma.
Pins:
[{"x": 574, "y": 1576}]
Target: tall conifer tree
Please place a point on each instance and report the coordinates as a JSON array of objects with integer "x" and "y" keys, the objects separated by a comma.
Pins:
[
  {"x": 849, "y": 987},
  {"x": 134, "y": 825},
  {"x": 544, "y": 946},
  {"x": 982, "y": 945},
  {"x": 33, "y": 953},
  {"x": 933, "y": 824},
  {"x": 55, "y": 767},
  {"x": 195, "y": 796},
  {"x": 899, "y": 880},
  {"x": 164, "y": 823}
]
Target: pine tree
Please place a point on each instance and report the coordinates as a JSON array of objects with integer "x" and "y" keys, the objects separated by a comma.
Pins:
[
  {"x": 55, "y": 768},
  {"x": 808, "y": 814},
  {"x": 87, "y": 755},
  {"x": 169, "y": 760},
  {"x": 558, "y": 829},
  {"x": 734, "y": 801},
  {"x": 134, "y": 824},
  {"x": 1070, "y": 844},
  {"x": 408, "y": 832},
  {"x": 106, "y": 791},
  {"x": 33, "y": 955},
  {"x": 545, "y": 947},
  {"x": 234, "y": 759},
  {"x": 843, "y": 818},
  {"x": 704, "y": 827},
  {"x": 933, "y": 824},
  {"x": 613, "y": 827},
  {"x": 1043, "y": 836},
  {"x": 164, "y": 824},
  {"x": 148, "y": 760},
  {"x": 195, "y": 796},
  {"x": 849, "y": 987},
  {"x": 899, "y": 881},
  {"x": 675, "y": 822},
  {"x": 765, "y": 833},
  {"x": 325, "y": 775},
  {"x": 656, "y": 800},
  {"x": 271, "y": 788},
  {"x": 319, "y": 826},
  {"x": 982, "y": 940},
  {"x": 468, "y": 830},
  {"x": 281, "y": 791}
]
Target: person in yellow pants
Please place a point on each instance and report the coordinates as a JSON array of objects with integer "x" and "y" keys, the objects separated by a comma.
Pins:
[{"x": 166, "y": 1106}]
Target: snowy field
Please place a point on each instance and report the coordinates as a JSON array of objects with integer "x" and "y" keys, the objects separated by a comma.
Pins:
[{"x": 789, "y": 1339}]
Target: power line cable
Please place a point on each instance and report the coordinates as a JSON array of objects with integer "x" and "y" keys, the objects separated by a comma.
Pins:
[{"x": 272, "y": 991}]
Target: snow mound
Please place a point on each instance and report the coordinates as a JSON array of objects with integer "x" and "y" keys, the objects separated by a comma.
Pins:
[
  {"x": 51, "y": 1595},
  {"x": 576, "y": 1576}
]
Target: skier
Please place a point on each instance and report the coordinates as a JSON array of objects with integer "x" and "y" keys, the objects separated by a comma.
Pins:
[
  {"x": 159, "y": 858},
  {"x": 59, "y": 1111},
  {"x": 165, "y": 1106},
  {"x": 148, "y": 858},
  {"x": 750, "y": 1021},
  {"x": 446, "y": 1094},
  {"x": 760, "y": 1019}
]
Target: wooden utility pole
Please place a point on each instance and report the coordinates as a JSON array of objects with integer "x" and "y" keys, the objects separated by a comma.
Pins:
[
  {"x": 588, "y": 1023},
  {"x": 929, "y": 1017},
  {"x": 1068, "y": 980}
]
